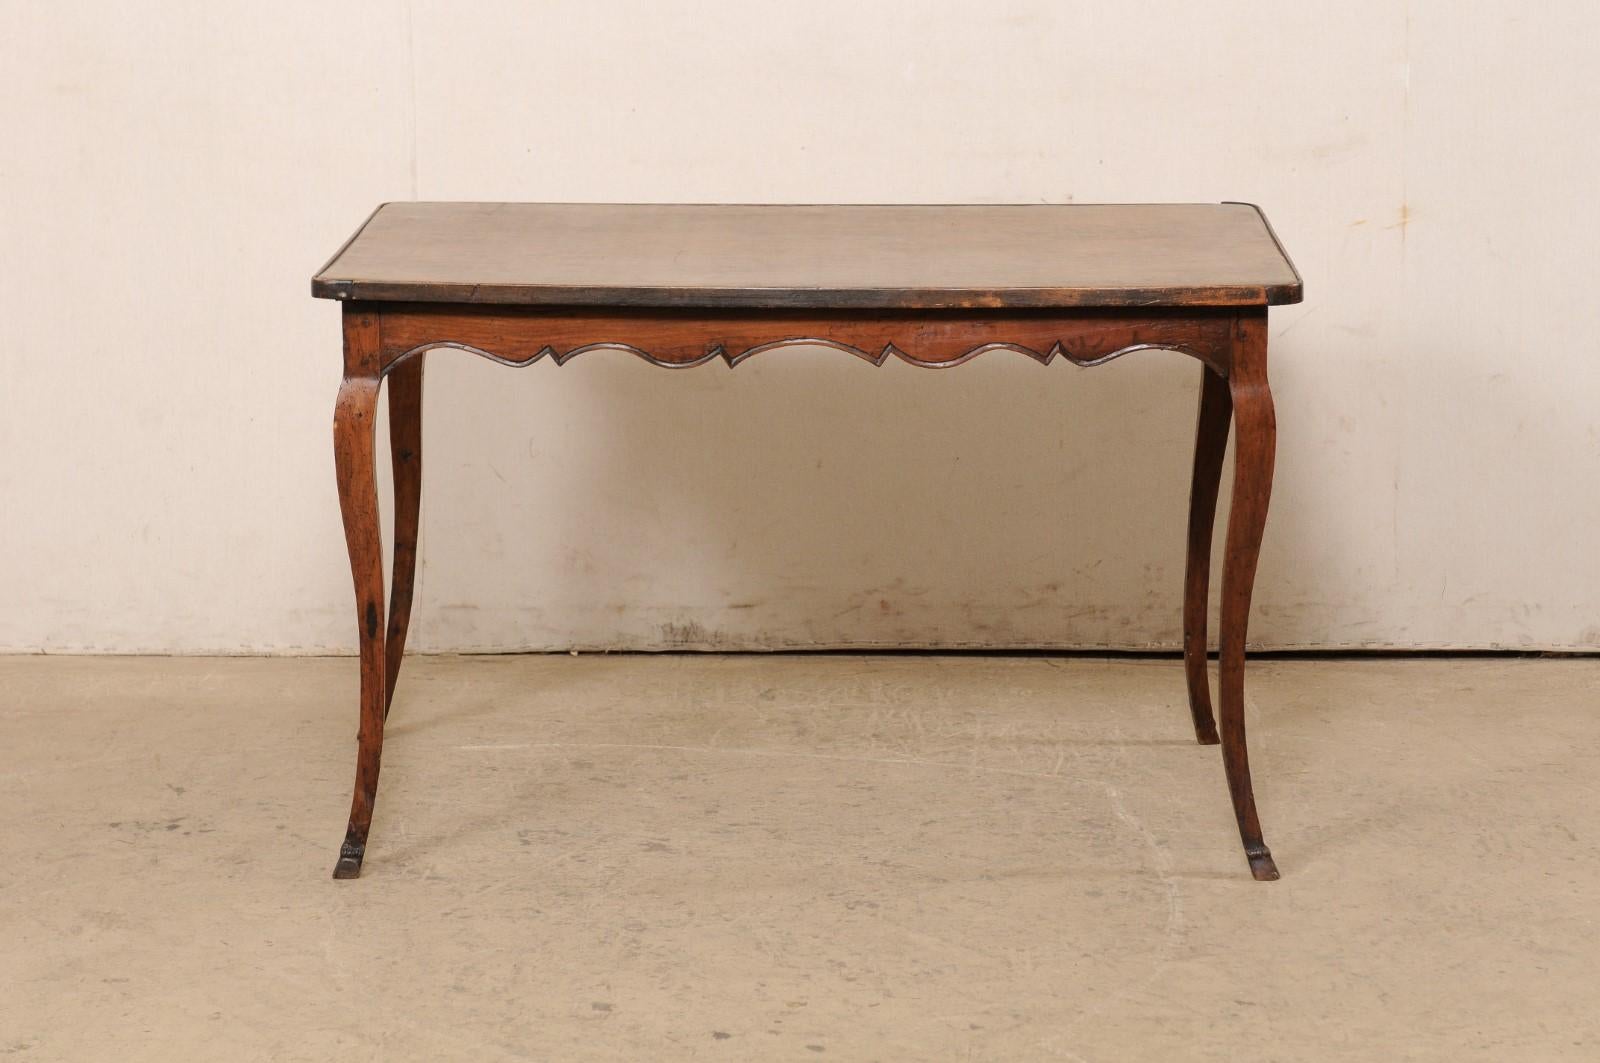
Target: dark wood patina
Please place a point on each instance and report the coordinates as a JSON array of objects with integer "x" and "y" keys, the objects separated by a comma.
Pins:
[{"x": 932, "y": 285}]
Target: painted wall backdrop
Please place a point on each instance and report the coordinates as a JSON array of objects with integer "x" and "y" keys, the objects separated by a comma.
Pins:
[{"x": 172, "y": 174}]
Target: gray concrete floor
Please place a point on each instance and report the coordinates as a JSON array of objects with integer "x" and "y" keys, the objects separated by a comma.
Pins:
[{"x": 857, "y": 858}]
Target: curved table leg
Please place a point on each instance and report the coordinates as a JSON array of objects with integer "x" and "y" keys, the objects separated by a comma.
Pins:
[
  {"x": 405, "y": 448},
  {"x": 353, "y": 444},
  {"x": 1210, "y": 443},
  {"x": 1254, "y": 446}
]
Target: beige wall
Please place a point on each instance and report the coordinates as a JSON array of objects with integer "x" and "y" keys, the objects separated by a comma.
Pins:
[{"x": 171, "y": 175}]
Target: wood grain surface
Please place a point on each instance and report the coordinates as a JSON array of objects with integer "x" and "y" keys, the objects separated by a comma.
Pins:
[{"x": 814, "y": 257}]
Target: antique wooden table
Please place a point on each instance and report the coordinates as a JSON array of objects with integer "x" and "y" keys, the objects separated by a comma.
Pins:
[{"x": 932, "y": 285}]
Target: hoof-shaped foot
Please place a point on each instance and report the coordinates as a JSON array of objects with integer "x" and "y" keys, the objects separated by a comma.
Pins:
[
  {"x": 1207, "y": 736},
  {"x": 1261, "y": 866},
  {"x": 349, "y": 865}
]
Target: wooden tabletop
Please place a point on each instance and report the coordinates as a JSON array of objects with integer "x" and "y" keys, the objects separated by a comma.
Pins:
[{"x": 814, "y": 257}]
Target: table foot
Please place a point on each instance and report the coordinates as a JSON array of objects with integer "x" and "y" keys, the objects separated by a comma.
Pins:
[
  {"x": 1261, "y": 866},
  {"x": 352, "y": 852}
]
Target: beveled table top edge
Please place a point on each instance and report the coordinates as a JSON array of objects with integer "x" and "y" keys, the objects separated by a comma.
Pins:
[{"x": 790, "y": 298}]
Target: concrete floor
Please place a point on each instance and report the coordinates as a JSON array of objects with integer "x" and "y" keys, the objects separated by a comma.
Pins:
[{"x": 779, "y": 857}]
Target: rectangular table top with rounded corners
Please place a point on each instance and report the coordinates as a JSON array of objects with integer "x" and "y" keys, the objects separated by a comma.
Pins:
[{"x": 814, "y": 257}]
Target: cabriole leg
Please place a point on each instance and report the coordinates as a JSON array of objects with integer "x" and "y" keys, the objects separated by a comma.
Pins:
[
  {"x": 353, "y": 445},
  {"x": 1210, "y": 442},
  {"x": 1254, "y": 445},
  {"x": 405, "y": 448}
]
